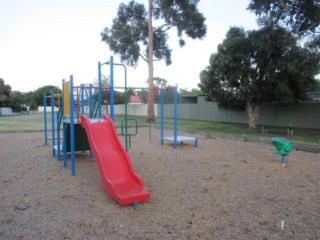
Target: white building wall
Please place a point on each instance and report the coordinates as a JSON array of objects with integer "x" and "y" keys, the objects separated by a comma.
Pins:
[{"x": 5, "y": 111}]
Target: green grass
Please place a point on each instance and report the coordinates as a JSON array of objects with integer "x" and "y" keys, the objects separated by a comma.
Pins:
[
  {"x": 34, "y": 122},
  {"x": 29, "y": 122}
]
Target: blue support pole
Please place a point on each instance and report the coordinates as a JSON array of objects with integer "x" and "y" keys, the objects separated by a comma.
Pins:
[
  {"x": 64, "y": 129},
  {"x": 99, "y": 91},
  {"x": 58, "y": 136},
  {"x": 86, "y": 91},
  {"x": 52, "y": 123},
  {"x": 59, "y": 125},
  {"x": 90, "y": 101},
  {"x": 73, "y": 162},
  {"x": 161, "y": 116},
  {"x": 82, "y": 98},
  {"x": 111, "y": 95},
  {"x": 175, "y": 116},
  {"x": 45, "y": 119},
  {"x": 90, "y": 108}
]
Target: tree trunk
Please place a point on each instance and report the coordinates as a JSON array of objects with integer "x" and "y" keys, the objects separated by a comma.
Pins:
[
  {"x": 150, "y": 67},
  {"x": 253, "y": 113}
]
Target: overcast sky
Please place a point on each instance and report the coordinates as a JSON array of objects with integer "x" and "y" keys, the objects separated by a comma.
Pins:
[{"x": 44, "y": 41}]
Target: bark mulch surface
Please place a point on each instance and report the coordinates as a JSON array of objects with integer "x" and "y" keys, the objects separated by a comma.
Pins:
[{"x": 224, "y": 189}]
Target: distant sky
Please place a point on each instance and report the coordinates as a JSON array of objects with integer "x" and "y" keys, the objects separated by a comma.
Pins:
[{"x": 44, "y": 41}]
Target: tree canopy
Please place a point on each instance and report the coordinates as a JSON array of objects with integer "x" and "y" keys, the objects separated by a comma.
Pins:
[
  {"x": 253, "y": 67},
  {"x": 5, "y": 91},
  {"x": 14, "y": 99},
  {"x": 128, "y": 35},
  {"x": 140, "y": 33},
  {"x": 37, "y": 96},
  {"x": 301, "y": 17}
]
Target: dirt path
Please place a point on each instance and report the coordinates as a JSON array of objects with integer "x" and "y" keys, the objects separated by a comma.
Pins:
[{"x": 225, "y": 189}]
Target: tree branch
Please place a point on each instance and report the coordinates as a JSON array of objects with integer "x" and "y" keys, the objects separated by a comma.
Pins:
[
  {"x": 145, "y": 59},
  {"x": 312, "y": 26},
  {"x": 164, "y": 27}
]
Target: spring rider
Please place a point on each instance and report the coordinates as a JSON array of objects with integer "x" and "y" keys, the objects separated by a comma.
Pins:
[{"x": 283, "y": 148}]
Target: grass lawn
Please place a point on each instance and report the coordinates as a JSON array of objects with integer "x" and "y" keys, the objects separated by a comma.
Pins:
[
  {"x": 28, "y": 122},
  {"x": 35, "y": 122}
]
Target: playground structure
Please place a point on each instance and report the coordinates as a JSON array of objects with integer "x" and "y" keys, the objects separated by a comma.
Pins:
[
  {"x": 99, "y": 135},
  {"x": 175, "y": 138}
]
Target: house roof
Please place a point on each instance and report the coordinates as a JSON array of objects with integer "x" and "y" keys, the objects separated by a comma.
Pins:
[{"x": 135, "y": 99}]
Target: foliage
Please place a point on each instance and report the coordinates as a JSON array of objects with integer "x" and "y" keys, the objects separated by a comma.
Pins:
[
  {"x": 118, "y": 97},
  {"x": 29, "y": 101},
  {"x": 143, "y": 94},
  {"x": 135, "y": 34},
  {"x": 16, "y": 101},
  {"x": 105, "y": 81},
  {"x": 258, "y": 66},
  {"x": 264, "y": 64},
  {"x": 128, "y": 35},
  {"x": 168, "y": 95},
  {"x": 37, "y": 97},
  {"x": 315, "y": 87},
  {"x": 5, "y": 91},
  {"x": 301, "y": 17},
  {"x": 160, "y": 82}
]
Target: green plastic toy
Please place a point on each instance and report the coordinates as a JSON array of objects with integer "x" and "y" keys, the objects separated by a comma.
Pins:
[{"x": 283, "y": 146}]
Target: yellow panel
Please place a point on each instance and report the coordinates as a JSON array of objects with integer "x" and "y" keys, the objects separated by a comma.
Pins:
[{"x": 66, "y": 99}]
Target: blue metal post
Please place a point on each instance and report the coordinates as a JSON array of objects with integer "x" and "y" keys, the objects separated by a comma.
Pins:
[
  {"x": 64, "y": 129},
  {"x": 45, "y": 119},
  {"x": 90, "y": 101},
  {"x": 82, "y": 98},
  {"x": 175, "y": 115},
  {"x": 52, "y": 123},
  {"x": 99, "y": 91},
  {"x": 58, "y": 136},
  {"x": 64, "y": 144},
  {"x": 90, "y": 108},
  {"x": 86, "y": 90},
  {"x": 196, "y": 142},
  {"x": 111, "y": 96},
  {"x": 161, "y": 115},
  {"x": 59, "y": 124},
  {"x": 73, "y": 162}
]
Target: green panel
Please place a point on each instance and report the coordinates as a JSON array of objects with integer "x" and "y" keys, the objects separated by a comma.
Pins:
[
  {"x": 217, "y": 114},
  {"x": 301, "y": 115},
  {"x": 312, "y": 115},
  {"x": 80, "y": 138},
  {"x": 184, "y": 112},
  {"x": 193, "y": 111},
  {"x": 203, "y": 112},
  {"x": 237, "y": 116},
  {"x": 168, "y": 110}
]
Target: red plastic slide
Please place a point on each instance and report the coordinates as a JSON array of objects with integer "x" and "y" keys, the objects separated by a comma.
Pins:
[{"x": 115, "y": 167}]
